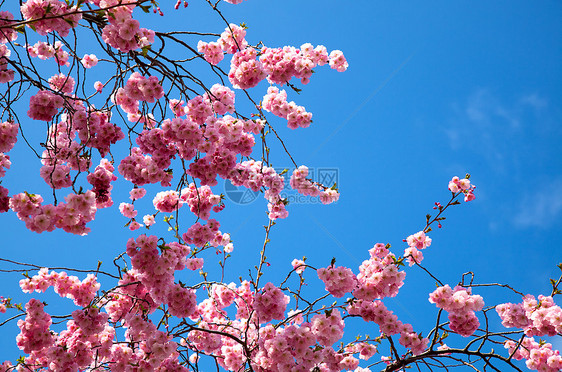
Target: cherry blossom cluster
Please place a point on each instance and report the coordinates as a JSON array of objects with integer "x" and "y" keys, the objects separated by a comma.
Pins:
[
  {"x": 7, "y": 33},
  {"x": 5, "y": 163},
  {"x": 89, "y": 60},
  {"x": 127, "y": 104},
  {"x": 305, "y": 186},
  {"x": 221, "y": 99},
  {"x": 44, "y": 50},
  {"x": 89, "y": 339},
  {"x": 71, "y": 216},
  {"x": 223, "y": 295},
  {"x": 156, "y": 272},
  {"x": 460, "y": 305},
  {"x": 246, "y": 71},
  {"x": 4, "y": 200},
  {"x": 281, "y": 64},
  {"x": 291, "y": 348},
  {"x": 536, "y": 317},
  {"x": 142, "y": 169},
  {"x": 94, "y": 128},
  {"x": 227, "y": 137},
  {"x": 201, "y": 200},
  {"x": 376, "y": 311},
  {"x": 278, "y": 65},
  {"x": 8, "y": 135},
  {"x": 167, "y": 201},
  {"x": 328, "y": 328},
  {"x": 123, "y": 32},
  {"x": 205, "y": 341},
  {"x": 90, "y": 320},
  {"x": 6, "y": 74},
  {"x": 222, "y": 139},
  {"x": 81, "y": 292},
  {"x": 154, "y": 142},
  {"x": 338, "y": 280},
  {"x": 254, "y": 175},
  {"x": 270, "y": 303},
  {"x": 177, "y": 106},
  {"x": 198, "y": 110},
  {"x": 231, "y": 41},
  {"x": 416, "y": 243},
  {"x": 149, "y": 348},
  {"x": 280, "y": 348},
  {"x": 50, "y": 15},
  {"x": 101, "y": 180},
  {"x": 61, "y": 155},
  {"x": 77, "y": 346},
  {"x": 140, "y": 88},
  {"x": 275, "y": 101},
  {"x": 212, "y": 51},
  {"x": 130, "y": 297},
  {"x": 44, "y": 105},
  {"x": 277, "y": 209},
  {"x": 199, "y": 235},
  {"x": 181, "y": 135},
  {"x": 379, "y": 276},
  {"x": 539, "y": 356},
  {"x": 72, "y": 349},
  {"x": 128, "y": 210},
  {"x": 62, "y": 83},
  {"x": 338, "y": 61},
  {"x": 464, "y": 186},
  {"x": 34, "y": 329},
  {"x": 365, "y": 350},
  {"x": 220, "y": 161}
]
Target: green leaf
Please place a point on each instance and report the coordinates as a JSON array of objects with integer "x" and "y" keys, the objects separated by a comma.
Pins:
[{"x": 145, "y": 50}]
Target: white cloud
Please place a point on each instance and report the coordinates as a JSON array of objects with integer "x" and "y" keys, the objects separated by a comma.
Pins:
[
  {"x": 488, "y": 126},
  {"x": 535, "y": 101},
  {"x": 541, "y": 208}
]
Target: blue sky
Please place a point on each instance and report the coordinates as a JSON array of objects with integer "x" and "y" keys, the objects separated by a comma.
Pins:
[{"x": 433, "y": 90}]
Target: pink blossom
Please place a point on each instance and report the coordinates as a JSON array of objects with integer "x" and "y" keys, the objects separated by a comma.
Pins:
[
  {"x": 44, "y": 105},
  {"x": 338, "y": 61},
  {"x": 127, "y": 210},
  {"x": 298, "y": 265},
  {"x": 89, "y": 60},
  {"x": 137, "y": 193},
  {"x": 148, "y": 220},
  {"x": 167, "y": 201}
]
